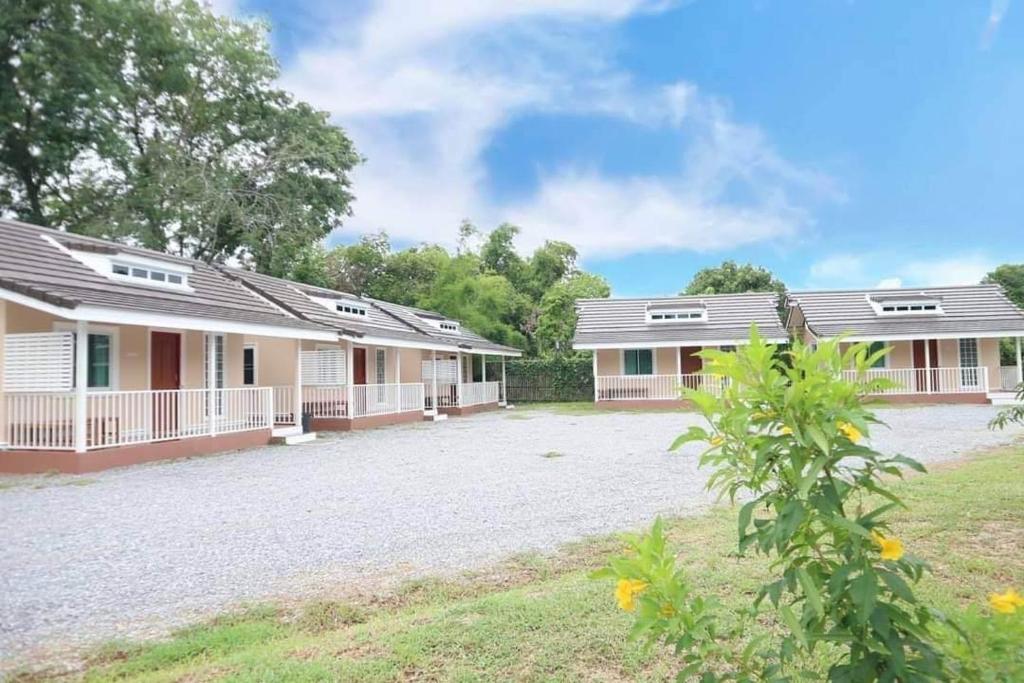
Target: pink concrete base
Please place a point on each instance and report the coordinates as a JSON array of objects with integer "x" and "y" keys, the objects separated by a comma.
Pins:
[
  {"x": 69, "y": 462},
  {"x": 344, "y": 424},
  {"x": 976, "y": 398},
  {"x": 470, "y": 410}
]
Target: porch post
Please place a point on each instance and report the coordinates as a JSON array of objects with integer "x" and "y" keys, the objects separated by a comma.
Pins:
[
  {"x": 297, "y": 398},
  {"x": 458, "y": 378},
  {"x": 349, "y": 376},
  {"x": 927, "y": 366},
  {"x": 504, "y": 387},
  {"x": 1020, "y": 365},
  {"x": 433, "y": 399},
  {"x": 81, "y": 384},
  {"x": 398, "y": 365},
  {"x": 211, "y": 383},
  {"x": 593, "y": 356}
]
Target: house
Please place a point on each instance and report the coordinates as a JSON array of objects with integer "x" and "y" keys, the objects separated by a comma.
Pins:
[
  {"x": 405, "y": 361},
  {"x": 114, "y": 355},
  {"x": 944, "y": 341},
  {"x": 645, "y": 350}
]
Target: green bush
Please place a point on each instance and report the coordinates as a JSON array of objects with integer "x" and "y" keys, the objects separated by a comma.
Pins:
[{"x": 560, "y": 378}]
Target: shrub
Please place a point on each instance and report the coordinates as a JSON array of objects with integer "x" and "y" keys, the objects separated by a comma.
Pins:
[{"x": 786, "y": 436}]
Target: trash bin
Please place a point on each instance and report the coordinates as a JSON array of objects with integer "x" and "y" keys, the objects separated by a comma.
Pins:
[{"x": 307, "y": 423}]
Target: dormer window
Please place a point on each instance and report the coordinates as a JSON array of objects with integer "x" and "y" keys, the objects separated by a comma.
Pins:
[
  {"x": 449, "y": 326},
  {"x": 677, "y": 314},
  {"x": 147, "y": 273},
  {"x": 911, "y": 305},
  {"x": 347, "y": 308}
]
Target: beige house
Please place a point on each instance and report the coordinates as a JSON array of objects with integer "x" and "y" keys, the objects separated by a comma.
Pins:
[
  {"x": 112, "y": 355},
  {"x": 943, "y": 341},
  {"x": 645, "y": 350}
]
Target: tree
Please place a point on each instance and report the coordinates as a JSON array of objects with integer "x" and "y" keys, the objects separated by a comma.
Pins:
[
  {"x": 551, "y": 262},
  {"x": 357, "y": 267},
  {"x": 556, "y": 325},
  {"x": 498, "y": 254},
  {"x": 1010, "y": 277},
  {"x": 191, "y": 149},
  {"x": 731, "y": 278}
]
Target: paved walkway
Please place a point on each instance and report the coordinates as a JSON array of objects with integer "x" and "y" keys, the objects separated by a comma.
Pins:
[{"x": 130, "y": 552}]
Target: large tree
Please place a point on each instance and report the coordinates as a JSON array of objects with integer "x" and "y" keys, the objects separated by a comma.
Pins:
[
  {"x": 556, "y": 324},
  {"x": 1009, "y": 276},
  {"x": 732, "y": 278},
  {"x": 159, "y": 123}
]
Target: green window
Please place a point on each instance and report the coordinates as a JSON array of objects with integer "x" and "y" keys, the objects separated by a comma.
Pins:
[
  {"x": 638, "y": 362},
  {"x": 99, "y": 361},
  {"x": 874, "y": 347}
]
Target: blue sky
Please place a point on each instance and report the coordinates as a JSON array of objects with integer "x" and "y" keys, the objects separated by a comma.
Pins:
[{"x": 839, "y": 143}]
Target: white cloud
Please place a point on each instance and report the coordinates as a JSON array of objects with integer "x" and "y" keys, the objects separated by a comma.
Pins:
[
  {"x": 838, "y": 270},
  {"x": 996, "y": 14},
  {"x": 861, "y": 270},
  {"x": 889, "y": 283},
  {"x": 961, "y": 270},
  {"x": 424, "y": 88}
]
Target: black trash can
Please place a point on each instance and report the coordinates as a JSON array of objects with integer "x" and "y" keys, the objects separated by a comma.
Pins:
[{"x": 307, "y": 423}]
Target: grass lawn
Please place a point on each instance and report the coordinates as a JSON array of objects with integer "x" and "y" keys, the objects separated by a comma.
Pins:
[
  {"x": 586, "y": 408},
  {"x": 541, "y": 618}
]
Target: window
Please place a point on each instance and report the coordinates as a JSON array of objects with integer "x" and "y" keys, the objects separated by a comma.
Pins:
[
  {"x": 969, "y": 372},
  {"x": 148, "y": 274},
  {"x": 249, "y": 366},
  {"x": 218, "y": 369},
  {"x": 350, "y": 309},
  {"x": 381, "y": 366},
  {"x": 875, "y": 347},
  {"x": 638, "y": 362},
  {"x": 727, "y": 348},
  {"x": 676, "y": 315},
  {"x": 449, "y": 327},
  {"x": 911, "y": 306},
  {"x": 98, "y": 373}
]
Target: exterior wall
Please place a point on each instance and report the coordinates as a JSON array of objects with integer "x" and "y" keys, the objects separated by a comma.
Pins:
[
  {"x": 608, "y": 362},
  {"x": 412, "y": 368},
  {"x": 666, "y": 361},
  {"x": 3, "y": 407},
  {"x": 275, "y": 361},
  {"x": 988, "y": 356}
]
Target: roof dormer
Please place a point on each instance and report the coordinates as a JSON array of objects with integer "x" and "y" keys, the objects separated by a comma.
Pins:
[
  {"x": 662, "y": 313},
  {"x": 906, "y": 304}
]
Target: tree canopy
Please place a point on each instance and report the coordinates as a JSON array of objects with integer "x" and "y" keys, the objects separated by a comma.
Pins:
[
  {"x": 159, "y": 123},
  {"x": 1010, "y": 276},
  {"x": 732, "y": 278}
]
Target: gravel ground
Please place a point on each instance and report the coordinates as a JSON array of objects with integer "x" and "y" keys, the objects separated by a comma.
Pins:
[{"x": 128, "y": 553}]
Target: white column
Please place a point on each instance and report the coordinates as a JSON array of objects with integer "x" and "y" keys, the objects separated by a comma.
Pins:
[
  {"x": 504, "y": 387},
  {"x": 1020, "y": 365},
  {"x": 81, "y": 384},
  {"x": 679, "y": 362},
  {"x": 398, "y": 365},
  {"x": 928, "y": 366},
  {"x": 211, "y": 383},
  {"x": 297, "y": 399},
  {"x": 594, "y": 357},
  {"x": 349, "y": 376},
  {"x": 434, "y": 401},
  {"x": 458, "y": 378}
]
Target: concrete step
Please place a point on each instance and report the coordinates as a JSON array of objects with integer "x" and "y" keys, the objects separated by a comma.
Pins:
[
  {"x": 293, "y": 439},
  {"x": 431, "y": 416},
  {"x": 286, "y": 430}
]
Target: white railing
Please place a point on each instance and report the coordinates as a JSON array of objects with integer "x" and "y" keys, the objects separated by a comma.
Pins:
[
  {"x": 284, "y": 405},
  {"x": 447, "y": 395},
  {"x": 120, "y": 418},
  {"x": 478, "y": 393},
  {"x": 1009, "y": 378},
  {"x": 654, "y": 387},
  {"x": 928, "y": 381},
  {"x": 386, "y": 399},
  {"x": 325, "y": 402}
]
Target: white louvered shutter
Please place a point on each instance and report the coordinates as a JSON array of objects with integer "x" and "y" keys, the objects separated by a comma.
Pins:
[
  {"x": 446, "y": 371},
  {"x": 39, "y": 362},
  {"x": 324, "y": 367}
]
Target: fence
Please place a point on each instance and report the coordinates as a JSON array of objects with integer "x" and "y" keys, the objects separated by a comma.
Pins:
[{"x": 548, "y": 380}]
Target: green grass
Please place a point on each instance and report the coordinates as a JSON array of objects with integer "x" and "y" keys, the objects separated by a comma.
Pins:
[
  {"x": 584, "y": 408},
  {"x": 538, "y": 618}
]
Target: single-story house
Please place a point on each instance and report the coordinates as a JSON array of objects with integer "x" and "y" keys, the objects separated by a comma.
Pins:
[
  {"x": 944, "y": 341},
  {"x": 645, "y": 350},
  {"x": 113, "y": 355}
]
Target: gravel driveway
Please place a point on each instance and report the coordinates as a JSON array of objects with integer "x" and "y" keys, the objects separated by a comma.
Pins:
[{"x": 129, "y": 552}]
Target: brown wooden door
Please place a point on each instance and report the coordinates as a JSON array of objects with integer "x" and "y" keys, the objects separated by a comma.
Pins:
[
  {"x": 689, "y": 361},
  {"x": 358, "y": 366},
  {"x": 920, "y": 360},
  {"x": 164, "y": 375}
]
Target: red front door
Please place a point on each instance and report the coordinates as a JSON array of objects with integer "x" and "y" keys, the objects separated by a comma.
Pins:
[
  {"x": 164, "y": 374},
  {"x": 689, "y": 361},
  {"x": 921, "y": 361},
  {"x": 358, "y": 366}
]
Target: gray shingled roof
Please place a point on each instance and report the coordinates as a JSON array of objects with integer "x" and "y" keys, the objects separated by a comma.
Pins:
[
  {"x": 34, "y": 267},
  {"x": 383, "y": 319},
  {"x": 729, "y": 316},
  {"x": 970, "y": 309}
]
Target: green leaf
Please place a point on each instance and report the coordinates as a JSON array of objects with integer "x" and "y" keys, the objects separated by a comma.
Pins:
[
  {"x": 808, "y": 480},
  {"x": 819, "y": 438},
  {"x": 864, "y": 591},
  {"x": 898, "y": 586},
  {"x": 810, "y": 591},
  {"x": 793, "y": 624},
  {"x": 744, "y": 518}
]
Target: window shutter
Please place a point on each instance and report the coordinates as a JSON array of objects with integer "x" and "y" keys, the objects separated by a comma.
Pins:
[
  {"x": 446, "y": 371},
  {"x": 645, "y": 362},
  {"x": 325, "y": 367},
  {"x": 39, "y": 362}
]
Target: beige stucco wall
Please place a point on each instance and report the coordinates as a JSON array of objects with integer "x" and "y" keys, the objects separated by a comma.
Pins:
[
  {"x": 3, "y": 408},
  {"x": 275, "y": 360},
  {"x": 412, "y": 364},
  {"x": 988, "y": 352}
]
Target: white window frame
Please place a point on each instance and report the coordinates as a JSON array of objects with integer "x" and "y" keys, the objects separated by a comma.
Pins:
[
  {"x": 622, "y": 362},
  {"x": 350, "y": 310},
  {"x": 115, "y": 351},
  {"x": 907, "y": 307},
  {"x": 164, "y": 281},
  {"x": 255, "y": 364},
  {"x": 977, "y": 367},
  {"x": 380, "y": 365},
  {"x": 675, "y": 316},
  {"x": 220, "y": 372},
  {"x": 885, "y": 358}
]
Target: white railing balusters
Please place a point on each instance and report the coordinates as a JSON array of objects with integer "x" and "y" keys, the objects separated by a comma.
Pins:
[
  {"x": 653, "y": 387},
  {"x": 962, "y": 380}
]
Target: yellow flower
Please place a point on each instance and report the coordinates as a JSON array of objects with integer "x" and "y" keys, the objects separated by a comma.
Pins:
[
  {"x": 892, "y": 548},
  {"x": 786, "y": 430},
  {"x": 851, "y": 432},
  {"x": 667, "y": 611},
  {"x": 1006, "y": 603},
  {"x": 627, "y": 590},
  {"x": 717, "y": 440}
]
